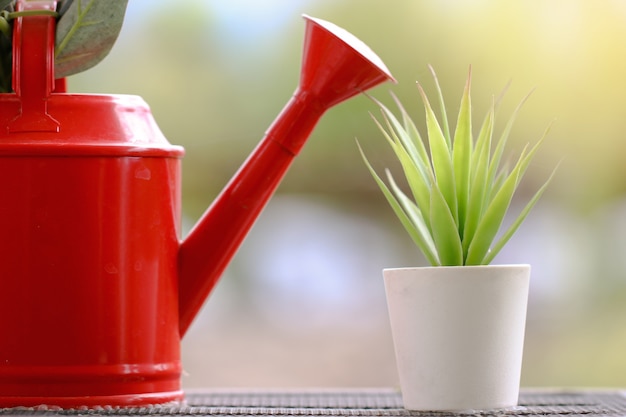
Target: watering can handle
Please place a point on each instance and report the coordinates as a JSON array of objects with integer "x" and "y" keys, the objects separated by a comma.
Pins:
[{"x": 33, "y": 67}]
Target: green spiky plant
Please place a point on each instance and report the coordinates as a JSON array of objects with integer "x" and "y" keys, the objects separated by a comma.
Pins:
[{"x": 460, "y": 190}]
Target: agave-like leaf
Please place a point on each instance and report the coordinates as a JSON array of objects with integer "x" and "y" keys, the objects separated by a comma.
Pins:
[
  {"x": 414, "y": 213},
  {"x": 499, "y": 97},
  {"x": 462, "y": 155},
  {"x": 414, "y": 136},
  {"x": 494, "y": 216},
  {"x": 442, "y": 107},
  {"x": 408, "y": 143},
  {"x": 418, "y": 181},
  {"x": 497, "y": 154},
  {"x": 535, "y": 148},
  {"x": 482, "y": 149},
  {"x": 444, "y": 229},
  {"x": 417, "y": 153},
  {"x": 478, "y": 183},
  {"x": 441, "y": 158},
  {"x": 497, "y": 183},
  {"x": 491, "y": 221},
  {"x": 420, "y": 187},
  {"x": 402, "y": 216},
  {"x": 517, "y": 223}
]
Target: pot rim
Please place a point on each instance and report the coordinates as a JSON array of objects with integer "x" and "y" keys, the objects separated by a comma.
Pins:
[{"x": 430, "y": 267}]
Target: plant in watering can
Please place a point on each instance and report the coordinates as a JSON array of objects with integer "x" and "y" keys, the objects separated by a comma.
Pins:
[
  {"x": 85, "y": 33},
  {"x": 458, "y": 326}
]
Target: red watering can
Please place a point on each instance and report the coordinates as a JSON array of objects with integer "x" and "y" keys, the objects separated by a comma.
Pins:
[{"x": 96, "y": 288}]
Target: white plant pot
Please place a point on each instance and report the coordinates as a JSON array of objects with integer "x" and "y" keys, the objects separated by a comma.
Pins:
[{"x": 458, "y": 334}]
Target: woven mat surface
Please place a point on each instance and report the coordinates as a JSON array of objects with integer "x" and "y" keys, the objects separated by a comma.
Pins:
[{"x": 357, "y": 402}]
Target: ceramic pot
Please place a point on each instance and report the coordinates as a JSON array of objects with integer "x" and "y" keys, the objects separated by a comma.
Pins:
[{"x": 458, "y": 334}]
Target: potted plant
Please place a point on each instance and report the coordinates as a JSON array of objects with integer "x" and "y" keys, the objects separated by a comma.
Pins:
[{"x": 458, "y": 325}]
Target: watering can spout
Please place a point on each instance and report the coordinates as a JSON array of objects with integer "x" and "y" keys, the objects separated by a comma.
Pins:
[{"x": 335, "y": 67}]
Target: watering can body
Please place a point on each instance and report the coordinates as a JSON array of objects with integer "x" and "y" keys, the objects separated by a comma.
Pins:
[
  {"x": 90, "y": 239},
  {"x": 97, "y": 289}
]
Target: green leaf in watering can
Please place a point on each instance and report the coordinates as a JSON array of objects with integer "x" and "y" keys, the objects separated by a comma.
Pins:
[
  {"x": 63, "y": 5},
  {"x": 5, "y": 64},
  {"x": 6, "y": 6},
  {"x": 86, "y": 33}
]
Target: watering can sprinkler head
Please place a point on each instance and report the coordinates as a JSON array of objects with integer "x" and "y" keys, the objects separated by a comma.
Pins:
[{"x": 335, "y": 66}]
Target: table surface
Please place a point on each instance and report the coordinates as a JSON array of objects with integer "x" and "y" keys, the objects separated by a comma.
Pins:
[{"x": 351, "y": 402}]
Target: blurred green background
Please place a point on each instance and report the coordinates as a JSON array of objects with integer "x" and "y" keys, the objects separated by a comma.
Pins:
[{"x": 303, "y": 304}]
